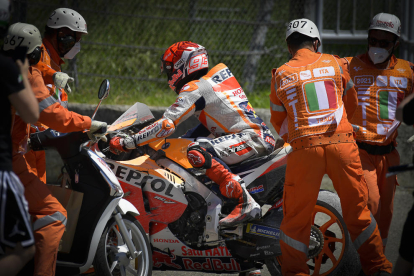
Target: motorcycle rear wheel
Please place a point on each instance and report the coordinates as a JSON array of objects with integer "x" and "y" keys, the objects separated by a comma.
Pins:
[
  {"x": 337, "y": 255},
  {"x": 111, "y": 257}
]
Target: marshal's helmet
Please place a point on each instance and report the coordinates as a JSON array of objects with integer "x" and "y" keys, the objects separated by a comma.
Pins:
[
  {"x": 22, "y": 34},
  {"x": 303, "y": 26},
  {"x": 183, "y": 62},
  {"x": 386, "y": 22}
]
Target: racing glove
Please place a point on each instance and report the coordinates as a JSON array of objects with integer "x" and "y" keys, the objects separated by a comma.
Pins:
[
  {"x": 118, "y": 144},
  {"x": 61, "y": 80},
  {"x": 97, "y": 125}
]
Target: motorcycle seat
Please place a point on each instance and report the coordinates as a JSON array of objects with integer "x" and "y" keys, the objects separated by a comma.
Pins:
[{"x": 253, "y": 163}]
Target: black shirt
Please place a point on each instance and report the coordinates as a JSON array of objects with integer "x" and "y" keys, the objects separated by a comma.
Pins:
[{"x": 11, "y": 81}]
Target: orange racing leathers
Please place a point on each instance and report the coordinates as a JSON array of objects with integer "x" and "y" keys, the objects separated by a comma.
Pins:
[
  {"x": 307, "y": 109},
  {"x": 48, "y": 214},
  {"x": 220, "y": 104},
  {"x": 379, "y": 93}
]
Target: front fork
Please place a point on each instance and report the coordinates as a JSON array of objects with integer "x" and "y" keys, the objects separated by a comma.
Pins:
[{"x": 133, "y": 253}]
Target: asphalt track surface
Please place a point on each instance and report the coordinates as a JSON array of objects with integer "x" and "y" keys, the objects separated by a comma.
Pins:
[{"x": 403, "y": 202}]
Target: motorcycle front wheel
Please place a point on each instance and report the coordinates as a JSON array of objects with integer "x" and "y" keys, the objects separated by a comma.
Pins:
[
  {"x": 331, "y": 251},
  {"x": 112, "y": 255}
]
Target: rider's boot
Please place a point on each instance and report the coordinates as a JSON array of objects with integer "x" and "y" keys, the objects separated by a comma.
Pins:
[{"x": 230, "y": 185}]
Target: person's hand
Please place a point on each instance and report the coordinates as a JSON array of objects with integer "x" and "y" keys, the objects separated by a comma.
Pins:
[
  {"x": 61, "y": 80},
  {"x": 95, "y": 126},
  {"x": 24, "y": 67},
  {"x": 118, "y": 144}
]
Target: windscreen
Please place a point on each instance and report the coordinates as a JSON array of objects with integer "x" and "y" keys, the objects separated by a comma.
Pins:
[{"x": 137, "y": 114}]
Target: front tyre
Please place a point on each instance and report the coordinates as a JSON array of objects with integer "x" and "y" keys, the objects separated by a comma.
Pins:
[
  {"x": 330, "y": 250},
  {"x": 112, "y": 255}
]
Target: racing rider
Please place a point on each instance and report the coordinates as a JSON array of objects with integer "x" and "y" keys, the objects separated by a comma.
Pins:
[
  {"x": 220, "y": 104},
  {"x": 48, "y": 214}
]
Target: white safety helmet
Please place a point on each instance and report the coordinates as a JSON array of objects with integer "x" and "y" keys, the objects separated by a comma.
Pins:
[
  {"x": 303, "y": 26},
  {"x": 22, "y": 34},
  {"x": 386, "y": 22},
  {"x": 64, "y": 17}
]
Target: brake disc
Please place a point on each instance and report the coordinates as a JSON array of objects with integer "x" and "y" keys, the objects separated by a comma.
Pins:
[{"x": 316, "y": 242}]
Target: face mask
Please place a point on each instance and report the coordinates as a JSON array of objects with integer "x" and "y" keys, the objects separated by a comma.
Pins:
[
  {"x": 378, "y": 55},
  {"x": 72, "y": 52}
]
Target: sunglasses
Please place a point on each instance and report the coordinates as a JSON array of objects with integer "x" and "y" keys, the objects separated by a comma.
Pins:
[{"x": 382, "y": 43}]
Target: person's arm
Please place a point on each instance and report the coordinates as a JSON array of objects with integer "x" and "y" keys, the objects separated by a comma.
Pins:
[
  {"x": 52, "y": 114},
  {"x": 277, "y": 110},
  {"x": 350, "y": 96},
  {"x": 25, "y": 101}
]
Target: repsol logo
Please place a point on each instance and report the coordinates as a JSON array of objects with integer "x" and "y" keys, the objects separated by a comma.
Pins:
[
  {"x": 222, "y": 75},
  {"x": 136, "y": 178}
]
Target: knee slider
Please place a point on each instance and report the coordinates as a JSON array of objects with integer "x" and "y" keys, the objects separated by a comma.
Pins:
[{"x": 198, "y": 156}]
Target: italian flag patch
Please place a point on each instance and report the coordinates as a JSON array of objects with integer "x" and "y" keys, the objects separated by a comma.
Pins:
[
  {"x": 321, "y": 95},
  {"x": 387, "y": 104}
]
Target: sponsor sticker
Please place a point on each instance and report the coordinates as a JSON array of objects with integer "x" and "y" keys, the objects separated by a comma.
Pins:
[
  {"x": 305, "y": 75},
  {"x": 324, "y": 71},
  {"x": 264, "y": 231},
  {"x": 256, "y": 190},
  {"x": 398, "y": 82},
  {"x": 382, "y": 81}
]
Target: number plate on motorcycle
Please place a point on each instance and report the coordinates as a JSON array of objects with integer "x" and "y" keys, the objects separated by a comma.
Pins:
[{"x": 264, "y": 231}]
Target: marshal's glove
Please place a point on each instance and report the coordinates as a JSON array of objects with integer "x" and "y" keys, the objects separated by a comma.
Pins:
[
  {"x": 95, "y": 126},
  {"x": 61, "y": 80},
  {"x": 124, "y": 144}
]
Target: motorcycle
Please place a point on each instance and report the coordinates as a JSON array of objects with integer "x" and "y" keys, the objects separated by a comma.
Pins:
[
  {"x": 180, "y": 208},
  {"x": 107, "y": 233}
]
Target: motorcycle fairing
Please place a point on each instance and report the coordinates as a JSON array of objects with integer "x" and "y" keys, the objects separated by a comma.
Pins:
[
  {"x": 264, "y": 234},
  {"x": 279, "y": 159},
  {"x": 214, "y": 203},
  {"x": 175, "y": 149},
  {"x": 178, "y": 256},
  {"x": 142, "y": 179},
  {"x": 113, "y": 184}
]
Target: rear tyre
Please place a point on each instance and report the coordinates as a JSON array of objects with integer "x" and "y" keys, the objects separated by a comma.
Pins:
[
  {"x": 112, "y": 255},
  {"x": 331, "y": 251}
]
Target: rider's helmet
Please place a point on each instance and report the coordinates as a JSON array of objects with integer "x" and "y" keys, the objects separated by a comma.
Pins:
[
  {"x": 22, "y": 34},
  {"x": 64, "y": 17},
  {"x": 183, "y": 62},
  {"x": 386, "y": 22},
  {"x": 303, "y": 26},
  {"x": 5, "y": 12}
]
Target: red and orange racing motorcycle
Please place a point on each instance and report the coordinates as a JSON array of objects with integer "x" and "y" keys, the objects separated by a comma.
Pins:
[{"x": 180, "y": 209}]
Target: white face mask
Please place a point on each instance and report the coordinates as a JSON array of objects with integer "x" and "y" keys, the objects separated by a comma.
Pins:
[
  {"x": 72, "y": 52},
  {"x": 378, "y": 55}
]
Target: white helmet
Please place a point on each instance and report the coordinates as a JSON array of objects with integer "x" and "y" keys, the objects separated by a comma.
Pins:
[
  {"x": 386, "y": 22},
  {"x": 65, "y": 17},
  {"x": 303, "y": 26},
  {"x": 22, "y": 34}
]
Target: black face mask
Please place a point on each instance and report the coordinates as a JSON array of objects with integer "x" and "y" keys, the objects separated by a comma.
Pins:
[
  {"x": 66, "y": 43},
  {"x": 34, "y": 56}
]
